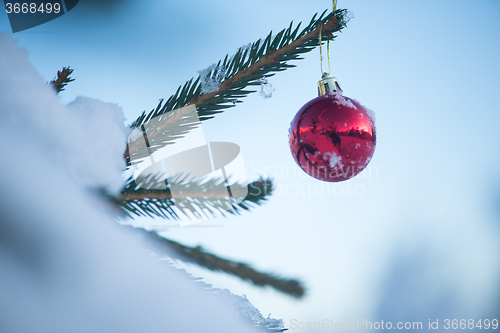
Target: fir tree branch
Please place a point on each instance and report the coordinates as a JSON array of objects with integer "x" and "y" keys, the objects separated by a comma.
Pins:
[
  {"x": 212, "y": 262},
  {"x": 62, "y": 79},
  {"x": 152, "y": 197},
  {"x": 246, "y": 68}
]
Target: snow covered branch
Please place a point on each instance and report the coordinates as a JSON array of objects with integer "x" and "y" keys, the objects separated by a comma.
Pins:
[{"x": 200, "y": 257}]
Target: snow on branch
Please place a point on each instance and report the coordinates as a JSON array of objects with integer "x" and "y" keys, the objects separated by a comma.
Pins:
[
  {"x": 199, "y": 256},
  {"x": 221, "y": 85}
]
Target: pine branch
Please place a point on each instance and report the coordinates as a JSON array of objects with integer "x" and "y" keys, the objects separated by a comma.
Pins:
[
  {"x": 211, "y": 262},
  {"x": 62, "y": 79},
  {"x": 246, "y": 68},
  {"x": 160, "y": 131},
  {"x": 148, "y": 196}
]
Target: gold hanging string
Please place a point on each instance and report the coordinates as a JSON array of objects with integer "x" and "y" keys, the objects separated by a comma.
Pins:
[
  {"x": 320, "y": 50},
  {"x": 328, "y": 42},
  {"x": 327, "y": 47}
]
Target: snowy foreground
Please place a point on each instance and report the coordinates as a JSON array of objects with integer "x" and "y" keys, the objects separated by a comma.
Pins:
[
  {"x": 67, "y": 267},
  {"x": 64, "y": 265}
]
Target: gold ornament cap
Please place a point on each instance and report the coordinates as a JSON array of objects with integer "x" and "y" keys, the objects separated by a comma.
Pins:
[{"x": 328, "y": 85}]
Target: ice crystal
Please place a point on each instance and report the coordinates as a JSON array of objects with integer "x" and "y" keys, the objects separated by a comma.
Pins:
[
  {"x": 332, "y": 158},
  {"x": 266, "y": 89},
  {"x": 249, "y": 311},
  {"x": 370, "y": 113},
  {"x": 211, "y": 78},
  {"x": 341, "y": 100}
]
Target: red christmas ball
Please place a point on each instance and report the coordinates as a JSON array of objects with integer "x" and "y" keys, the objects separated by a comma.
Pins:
[{"x": 332, "y": 137}]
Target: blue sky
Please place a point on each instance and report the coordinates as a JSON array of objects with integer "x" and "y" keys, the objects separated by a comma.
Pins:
[{"x": 425, "y": 228}]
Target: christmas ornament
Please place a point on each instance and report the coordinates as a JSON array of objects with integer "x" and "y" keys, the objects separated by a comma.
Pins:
[{"x": 332, "y": 137}]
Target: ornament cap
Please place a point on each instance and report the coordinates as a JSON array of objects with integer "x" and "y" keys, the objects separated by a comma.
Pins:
[{"x": 328, "y": 85}]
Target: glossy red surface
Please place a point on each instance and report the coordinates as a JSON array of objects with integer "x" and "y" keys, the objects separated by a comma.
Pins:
[{"x": 332, "y": 138}]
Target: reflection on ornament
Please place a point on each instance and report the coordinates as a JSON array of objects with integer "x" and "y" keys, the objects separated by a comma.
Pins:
[{"x": 332, "y": 137}]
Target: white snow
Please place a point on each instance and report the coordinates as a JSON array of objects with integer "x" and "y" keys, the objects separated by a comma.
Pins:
[
  {"x": 248, "y": 310},
  {"x": 241, "y": 49},
  {"x": 341, "y": 100},
  {"x": 266, "y": 89},
  {"x": 89, "y": 134},
  {"x": 370, "y": 113},
  {"x": 333, "y": 159},
  {"x": 135, "y": 135},
  {"x": 65, "y": 266},
  {"x": 245, "y": 47},
  {"x": 210, "y": 83}
]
